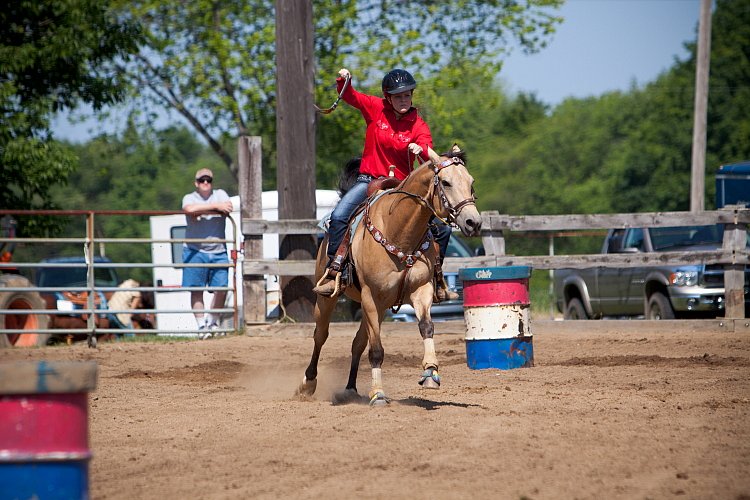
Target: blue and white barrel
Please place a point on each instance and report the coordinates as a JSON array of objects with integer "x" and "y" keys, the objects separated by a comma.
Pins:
[{"x": 497, "y": 312}]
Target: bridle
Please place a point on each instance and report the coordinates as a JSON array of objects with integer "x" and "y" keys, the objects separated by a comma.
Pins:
[{"x": 453, "y": 211}]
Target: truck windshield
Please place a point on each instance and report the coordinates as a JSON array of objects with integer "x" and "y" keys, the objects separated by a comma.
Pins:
[
  {"x": 62, "y": 277},
  {"x": 683, "y": 236}
]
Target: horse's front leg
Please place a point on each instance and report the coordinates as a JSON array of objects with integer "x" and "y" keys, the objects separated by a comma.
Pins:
[
  {"x": 422, "y": 301},
  {"x": 372, "y": 317}
]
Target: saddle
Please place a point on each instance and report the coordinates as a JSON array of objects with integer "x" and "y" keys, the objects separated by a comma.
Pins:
[
  {"x": 381, "y": 184},
  {"x": 341, "y": 267}
]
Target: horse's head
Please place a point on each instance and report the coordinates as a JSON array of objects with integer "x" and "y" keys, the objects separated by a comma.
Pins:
[{"x": 454, "y": 190}]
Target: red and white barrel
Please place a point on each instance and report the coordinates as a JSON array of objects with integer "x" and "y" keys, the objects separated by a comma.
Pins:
[
  {"x": 497, "y": 312},
  {"x": 44, "y": 445}
]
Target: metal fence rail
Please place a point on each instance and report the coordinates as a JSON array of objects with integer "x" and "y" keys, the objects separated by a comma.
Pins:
[{"x": 10, "y": 315}]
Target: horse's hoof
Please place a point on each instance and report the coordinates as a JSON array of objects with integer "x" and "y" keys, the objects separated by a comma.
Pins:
[
  {"x": 347, "y": 396},
  {"x": 430, "y": 379},
  {"x": 379, "y": 399},
  {"x": 307, "y": 387}
]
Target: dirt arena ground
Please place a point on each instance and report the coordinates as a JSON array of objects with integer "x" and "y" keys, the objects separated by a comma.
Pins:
[{"x": 616, "y": 414}]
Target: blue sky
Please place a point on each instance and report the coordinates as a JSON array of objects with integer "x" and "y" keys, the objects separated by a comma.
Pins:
[
  {"x": 605, "y": 45},
  {"x": 602, "y": 45}
]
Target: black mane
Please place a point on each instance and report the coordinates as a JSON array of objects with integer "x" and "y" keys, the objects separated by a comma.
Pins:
[
  {"x": 461, "y": 155},
  {"x": 349, "y": 175}
]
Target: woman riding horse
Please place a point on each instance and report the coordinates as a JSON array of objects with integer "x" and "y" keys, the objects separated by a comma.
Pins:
[
  {"x": 394, "y": 261},
  {"x": 396, "y": 136}
]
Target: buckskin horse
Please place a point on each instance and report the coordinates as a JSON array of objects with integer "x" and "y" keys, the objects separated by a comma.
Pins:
[{"x": 393, "y": 260}]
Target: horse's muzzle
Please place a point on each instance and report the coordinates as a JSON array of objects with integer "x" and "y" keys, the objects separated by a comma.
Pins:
[{"x": 472, "y": 226}]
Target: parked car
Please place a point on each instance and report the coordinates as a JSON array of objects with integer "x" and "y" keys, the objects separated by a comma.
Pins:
[
  {"x": 655, "y": 292},
  {"x": 74, "y": 277}
]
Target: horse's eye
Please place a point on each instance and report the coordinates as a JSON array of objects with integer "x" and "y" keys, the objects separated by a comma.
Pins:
[{"x": 445, "y": 183}]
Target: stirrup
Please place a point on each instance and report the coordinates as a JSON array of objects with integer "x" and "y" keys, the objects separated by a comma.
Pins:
[{"x": 323, "y": 284}]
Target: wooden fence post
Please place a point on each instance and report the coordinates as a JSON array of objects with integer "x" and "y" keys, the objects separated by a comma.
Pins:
[
  {"x": 493, "y": 240},
  {"x": 735, "y": 236},
  {"x": 251, "y": 191}
]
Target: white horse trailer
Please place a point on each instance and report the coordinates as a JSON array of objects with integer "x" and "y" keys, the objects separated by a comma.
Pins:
[{"x": 170, "y": 297}]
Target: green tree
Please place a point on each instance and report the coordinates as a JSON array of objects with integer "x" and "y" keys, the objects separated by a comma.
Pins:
[
  {"x": 213, "y": 62},
  {"x": 139, "y": 170},
  {"x": 51, "y": 55},
  {"x": 627, "y": 151}
]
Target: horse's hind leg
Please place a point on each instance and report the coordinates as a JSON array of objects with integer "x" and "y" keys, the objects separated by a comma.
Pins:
[
  {"x": 323, "y": 309},
  {"x": 358, "y": 347},
  {"x": 350, "y": 394}
]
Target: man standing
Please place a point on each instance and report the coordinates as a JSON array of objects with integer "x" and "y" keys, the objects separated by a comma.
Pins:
[{"x": 206, "y": 211}]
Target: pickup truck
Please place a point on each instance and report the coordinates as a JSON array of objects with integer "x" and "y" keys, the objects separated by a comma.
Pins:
[{"x": 660, "y": 292}]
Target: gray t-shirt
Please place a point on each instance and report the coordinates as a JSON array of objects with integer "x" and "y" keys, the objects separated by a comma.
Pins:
[{"x": 206, "y": 226}]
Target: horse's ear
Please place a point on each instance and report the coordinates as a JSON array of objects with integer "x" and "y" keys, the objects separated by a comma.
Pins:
[
  {"x": 433, "y": 155},
  {"x": 455, "y": 148}
]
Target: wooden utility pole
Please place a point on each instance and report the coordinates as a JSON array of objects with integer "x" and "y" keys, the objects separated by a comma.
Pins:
[
  {"x": 295, "y": 145},
  {"x": 698, "y": 171},
  {"x": 251, "y": 190}
]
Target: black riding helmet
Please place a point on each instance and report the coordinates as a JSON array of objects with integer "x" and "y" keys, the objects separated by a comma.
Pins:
[{"x": 397, "y": 81}]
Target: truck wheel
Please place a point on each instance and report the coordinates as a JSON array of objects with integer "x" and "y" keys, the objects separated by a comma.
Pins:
[
  {"x": 575, "y": 309},
  {"x": 21, "y": 300},
  {"x": 659, "y": 307}
]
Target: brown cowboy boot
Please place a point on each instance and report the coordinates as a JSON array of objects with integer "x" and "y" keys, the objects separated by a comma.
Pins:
[
  {"x": 328, "y": 287},
  {"x": 442, "y": 292},
  {"x": 331, "y": 284}
]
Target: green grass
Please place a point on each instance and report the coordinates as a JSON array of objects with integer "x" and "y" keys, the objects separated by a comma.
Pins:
[
  {"x": 152, "y": 338},
  {"x": 540, "y": 297}
]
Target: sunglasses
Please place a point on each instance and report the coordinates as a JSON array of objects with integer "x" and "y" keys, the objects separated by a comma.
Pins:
[{"x": 205, "y": 178}]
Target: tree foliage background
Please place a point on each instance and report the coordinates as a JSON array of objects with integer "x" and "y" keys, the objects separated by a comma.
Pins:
[
  {"x": 626, "y": 151},
  {"x": 53, "y": 56},
  {"x": 213, "y": 63}
]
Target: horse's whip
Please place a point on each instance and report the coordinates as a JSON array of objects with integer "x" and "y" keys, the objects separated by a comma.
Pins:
[{"x": 336, "y": 102}]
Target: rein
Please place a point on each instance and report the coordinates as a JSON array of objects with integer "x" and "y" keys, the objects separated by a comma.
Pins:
[{"x": 338, "y": 99}]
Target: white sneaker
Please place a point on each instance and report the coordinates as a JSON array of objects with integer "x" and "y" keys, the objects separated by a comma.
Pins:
[
  {"x": 204, "y": 332},
  {"x": 214, "y": 329}
]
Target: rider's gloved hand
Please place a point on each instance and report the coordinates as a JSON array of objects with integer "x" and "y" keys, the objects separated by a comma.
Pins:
[{"x": 415, "y": 148}]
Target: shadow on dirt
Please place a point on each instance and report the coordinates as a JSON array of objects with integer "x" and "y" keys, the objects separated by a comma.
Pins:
[{"x": 433, "y": 405}]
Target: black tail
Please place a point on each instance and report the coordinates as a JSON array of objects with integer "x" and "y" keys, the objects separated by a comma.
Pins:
[{"x": 349, "y": 175}]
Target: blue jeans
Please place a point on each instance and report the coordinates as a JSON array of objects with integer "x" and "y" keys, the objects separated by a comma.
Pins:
[
  {"x": 344, "y": 209},
  {"x": 442, "y": 233},
  {"x": 350, "y": 201}
]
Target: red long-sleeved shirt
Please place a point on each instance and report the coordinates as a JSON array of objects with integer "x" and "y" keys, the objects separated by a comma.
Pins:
[{"x": 387, "y": 138}]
